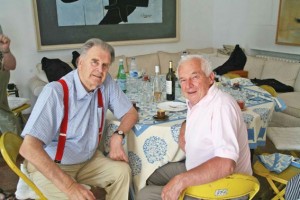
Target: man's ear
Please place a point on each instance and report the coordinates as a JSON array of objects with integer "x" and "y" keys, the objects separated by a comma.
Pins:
[{"x": 211, "y": 78}]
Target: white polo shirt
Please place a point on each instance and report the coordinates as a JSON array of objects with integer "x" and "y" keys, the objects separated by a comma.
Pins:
[{"x": 215, "y": 127}]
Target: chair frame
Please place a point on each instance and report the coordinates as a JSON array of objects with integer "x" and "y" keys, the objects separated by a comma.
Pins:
[
  {"x": 9, "y": 145},
  {"x": 232, "y": 186},
  {"x": 276, "y": 181}
]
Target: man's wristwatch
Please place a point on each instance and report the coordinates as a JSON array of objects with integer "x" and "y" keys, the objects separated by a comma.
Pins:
[{"x": 119, "y": 132}]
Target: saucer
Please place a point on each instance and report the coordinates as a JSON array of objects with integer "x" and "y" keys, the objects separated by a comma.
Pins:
[{"x": 161, "y": 119}]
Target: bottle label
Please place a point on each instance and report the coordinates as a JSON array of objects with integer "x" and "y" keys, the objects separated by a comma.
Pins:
[
  {"x": 169, "y": 87},
  {"x": 133, "y": 74},
  {"x": 122, "y": 84}
]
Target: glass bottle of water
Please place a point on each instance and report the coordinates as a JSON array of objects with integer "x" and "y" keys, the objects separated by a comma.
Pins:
[
  {"x": 133, "y": 70},
  {"x": 157, "y": 85}
]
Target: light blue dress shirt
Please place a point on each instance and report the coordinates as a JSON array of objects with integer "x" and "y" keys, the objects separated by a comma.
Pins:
[{"x": 84, "y": 116}]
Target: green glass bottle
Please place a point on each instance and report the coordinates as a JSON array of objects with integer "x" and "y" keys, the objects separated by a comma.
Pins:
[{"x": 121, "y": 77}]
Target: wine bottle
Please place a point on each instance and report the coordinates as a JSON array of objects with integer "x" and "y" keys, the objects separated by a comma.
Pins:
[
  {"x": 121, "y": 77},
  {"x": 170, "y": 83}
]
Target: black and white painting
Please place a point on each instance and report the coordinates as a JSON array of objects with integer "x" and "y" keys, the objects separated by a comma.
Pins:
[{"x": 66, "y": 24}]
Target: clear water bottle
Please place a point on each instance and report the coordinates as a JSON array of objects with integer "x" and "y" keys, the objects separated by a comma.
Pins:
[
  {"x": 133, "y": 70},
  {"x": 157, "y": 85},
  {"x": 121, "y": 77}
]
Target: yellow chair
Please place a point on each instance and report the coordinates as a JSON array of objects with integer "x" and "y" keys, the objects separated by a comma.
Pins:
[
  {"x": 276, "y": 181},
  {"x": 18, "y": 112},
  {"x": 233, "y": 186},
  {"x": 269, "y": 89},
  {"x": 9, "y": 145}
]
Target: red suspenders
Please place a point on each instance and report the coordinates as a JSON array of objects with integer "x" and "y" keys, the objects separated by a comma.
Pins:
[{"x": 64, "y": 125}]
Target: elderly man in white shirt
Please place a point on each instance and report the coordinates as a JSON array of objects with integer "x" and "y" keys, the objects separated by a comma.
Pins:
[{"x": 214, "y": 136}]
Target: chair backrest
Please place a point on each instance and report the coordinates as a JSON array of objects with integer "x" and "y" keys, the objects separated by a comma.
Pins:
[
  {"x": 233, "y": 186},
  {"x": 9, "y": 145}
]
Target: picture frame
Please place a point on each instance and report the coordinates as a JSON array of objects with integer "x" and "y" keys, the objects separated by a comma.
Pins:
[
  {"x": 288, "y": 23},
  {"x": 52, "y": 37}
]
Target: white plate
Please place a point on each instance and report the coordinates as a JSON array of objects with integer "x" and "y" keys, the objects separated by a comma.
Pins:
[{"x": 172, "y": 106}]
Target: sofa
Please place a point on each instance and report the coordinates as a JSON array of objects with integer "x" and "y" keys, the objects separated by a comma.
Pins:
[{"x": 260, "y": 68}]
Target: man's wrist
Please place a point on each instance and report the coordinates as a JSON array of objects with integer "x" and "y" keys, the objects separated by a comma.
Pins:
[{"x": 121, "y": 133}]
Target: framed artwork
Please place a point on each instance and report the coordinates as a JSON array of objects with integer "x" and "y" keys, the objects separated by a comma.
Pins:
[
  {"x": 67, "y": 24},
  {"x": 288, "y": 24}
]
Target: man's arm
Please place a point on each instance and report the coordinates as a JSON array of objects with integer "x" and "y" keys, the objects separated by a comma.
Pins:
[
  {"x": 33, "y": 151},
  {"x": 9, "y": 60},
  {"x": 127, "y": 122},
  {"x": 213, "y": 169},
  {"x": 181, "y": 139}
]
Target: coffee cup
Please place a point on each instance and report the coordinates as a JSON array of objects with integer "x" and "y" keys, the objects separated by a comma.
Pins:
[{"x": 161, "y": 114}]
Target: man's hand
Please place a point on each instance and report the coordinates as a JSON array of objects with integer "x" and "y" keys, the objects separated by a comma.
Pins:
[
  {"x": 4, "y": 44},
  {"x": 173, "y": 189},
  {"x": 79, "y": 192},
  {"x": 116, "y": 151}
]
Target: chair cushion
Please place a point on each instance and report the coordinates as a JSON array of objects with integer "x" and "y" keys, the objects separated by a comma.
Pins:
[
  {"x": 254, "y": 66},
  {"x": 146, "y": 62},
  {"x": 292, "y": 102},
  {"x": 282, "y": 71},
  {"x": 165, "y": 57},
  {"x": 41, "y": 73},
  {"x": 285, "y": 138}
]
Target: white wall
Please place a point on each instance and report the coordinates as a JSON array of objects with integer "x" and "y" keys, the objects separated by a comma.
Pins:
[
  {"x": 203, "y": 23},
  {"x": 17, "y": 21},
  {"x": 250, "y": 23}
]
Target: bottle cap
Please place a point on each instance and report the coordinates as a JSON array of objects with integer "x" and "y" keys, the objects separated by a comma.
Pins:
[
  {"x": 156, "y": 69},
  {"x": 121, "y": 60}
]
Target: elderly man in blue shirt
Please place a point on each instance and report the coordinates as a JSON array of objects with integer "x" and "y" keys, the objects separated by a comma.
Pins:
[{"x": 62, "y": 172}]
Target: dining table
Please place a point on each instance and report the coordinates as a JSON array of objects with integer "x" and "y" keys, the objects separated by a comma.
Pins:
[{"x": 153, "y": 142}]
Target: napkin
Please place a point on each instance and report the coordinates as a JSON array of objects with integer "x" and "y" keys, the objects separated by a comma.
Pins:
[
  {"x": 276, "y": 162},
  {"x": 280, "y": 105}
]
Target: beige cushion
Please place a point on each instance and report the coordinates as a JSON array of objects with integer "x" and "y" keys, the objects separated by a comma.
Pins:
[
  {"x": 40, "y": 73},
  {"x": 113, "y": 70},
  {"x": 297, "y": 83},
  {"x": 254, "y": 66},
  {"x": 282, "y": 71},
  {"x": 165, "y": 57},
  {"x": 145, "y": 62},
  {"x": 204, "y": 51},
  {"x": 285, "y": 138},
  {"x": 291, "y": 99},
  {"x": 217, "y": 61}
]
